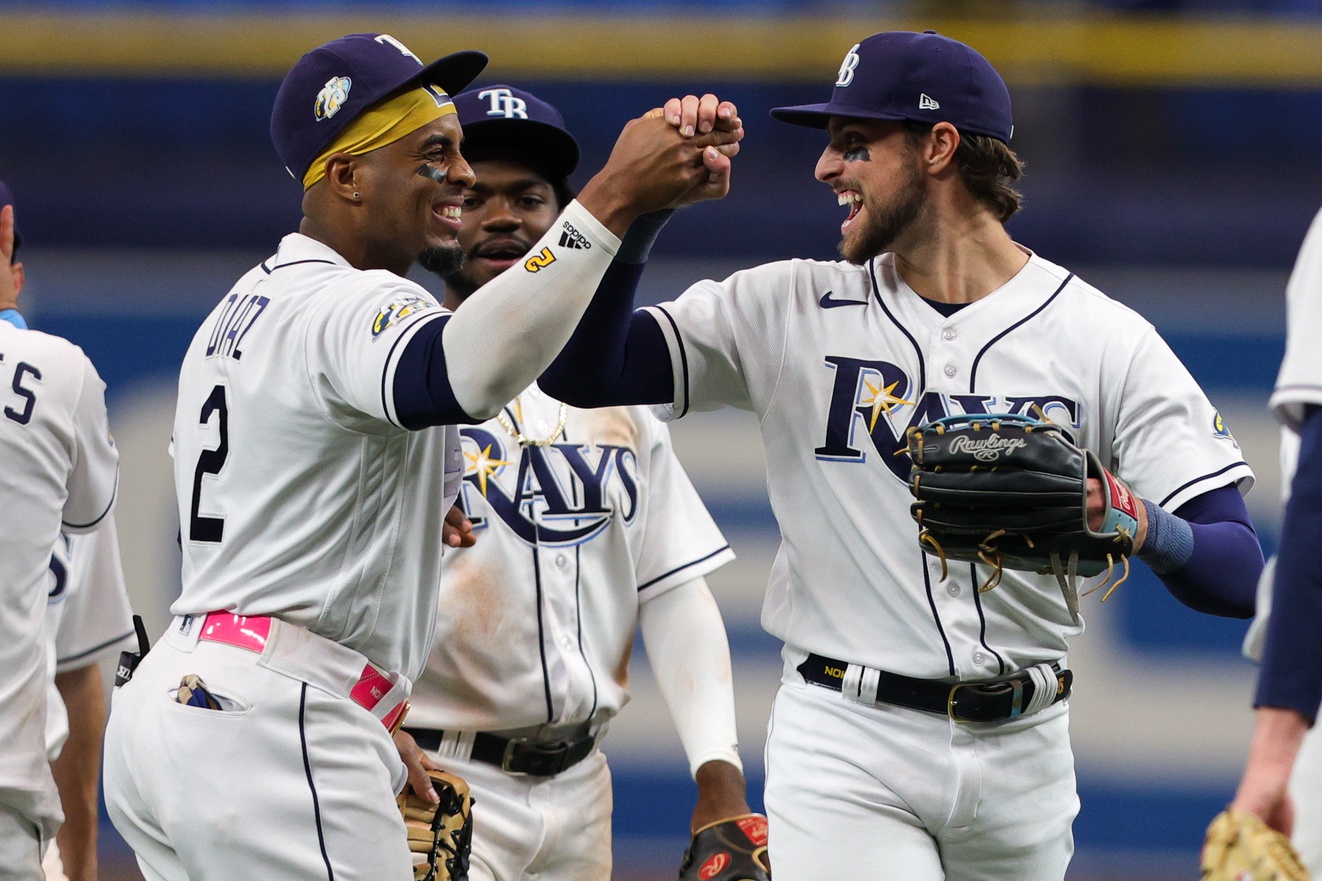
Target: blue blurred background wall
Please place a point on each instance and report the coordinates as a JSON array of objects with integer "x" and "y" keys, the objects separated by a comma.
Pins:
[{"x": 1174, "y": 154}]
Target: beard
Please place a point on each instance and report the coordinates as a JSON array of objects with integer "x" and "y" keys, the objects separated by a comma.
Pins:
[
  {"x": 886, "y": 223},
  {"x": 443, "y": 261}
]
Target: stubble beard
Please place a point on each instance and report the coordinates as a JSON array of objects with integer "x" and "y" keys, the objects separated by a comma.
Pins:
[
  {"x": 442, "y": 261},
  {"x": 886, "y": 224}
]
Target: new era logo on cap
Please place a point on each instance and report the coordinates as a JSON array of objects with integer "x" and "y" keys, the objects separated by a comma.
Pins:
[{"x": 924, "y": 77}]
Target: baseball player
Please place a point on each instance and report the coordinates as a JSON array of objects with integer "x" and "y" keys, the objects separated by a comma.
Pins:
[
  {"x": 1290, "y": 681},
  {"x": 586, "y": 526},
  {"x": 920, "y": 731},
  {"x": 88, "y": 619},
  {"x": 61, "y": 470},
  {"x": 316, "y": 460}
]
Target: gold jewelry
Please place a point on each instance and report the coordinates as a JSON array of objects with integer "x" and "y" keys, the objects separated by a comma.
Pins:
[{"x": 525, "y": 441}]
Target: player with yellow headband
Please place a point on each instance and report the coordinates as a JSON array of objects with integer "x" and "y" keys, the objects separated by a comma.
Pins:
[{"x": 316, "y": 458}]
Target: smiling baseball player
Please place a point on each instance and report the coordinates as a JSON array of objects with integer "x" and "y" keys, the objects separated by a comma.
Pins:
[
  {"x": 921, "y": 729},
  {"x": 586, "y": 525},
  {"x": 316, "y": 460},
  {"x": 61, "y": 471}
]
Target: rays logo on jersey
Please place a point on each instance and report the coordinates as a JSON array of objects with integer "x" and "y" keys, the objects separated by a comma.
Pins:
[
  {"x": 332, "y": 97},
  {"x": 398, "y": 309},
  {"x": 879, "y": 398},
  {"x": 556, "y": 495}
]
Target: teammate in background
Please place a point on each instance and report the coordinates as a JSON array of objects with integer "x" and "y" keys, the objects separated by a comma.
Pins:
[
  {"x": 1290, "y": 681},
  {"x": 61, "y": 469},
  {"x": 921, "y": 729},
  {"x": 316, "y": 458},
  {"x": 88, "y": 619},
  {"x": 587, "y": 525}
]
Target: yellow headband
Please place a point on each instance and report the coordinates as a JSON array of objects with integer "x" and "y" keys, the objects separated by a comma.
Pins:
[{"x": 383, "y": 124}]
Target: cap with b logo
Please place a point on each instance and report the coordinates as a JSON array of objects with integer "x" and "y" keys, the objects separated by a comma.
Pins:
[
  {"x": 503, "y": 118},
  {"x": 925, "y": 77},
  {"x": 333, "y": 84}
]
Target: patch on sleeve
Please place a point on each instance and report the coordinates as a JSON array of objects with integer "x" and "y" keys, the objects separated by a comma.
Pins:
[
  {"x": 398, "y": 309},
  {"x": 1221, "y": 430}
]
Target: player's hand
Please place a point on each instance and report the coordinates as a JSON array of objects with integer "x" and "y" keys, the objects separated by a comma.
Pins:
[
  {"x": 457, "y": 532},
  {"x": 652, "y": 167},
  {"x": 1097, "y": 512},
  {"x": 418, "y": 763},
  {"x": 712, "y": 121},
  {"x": 10, "y": 275}
]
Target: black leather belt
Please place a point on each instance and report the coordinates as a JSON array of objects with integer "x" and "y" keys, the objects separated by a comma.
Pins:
[
  {"x": 990, "y": 701},
  {"x": 517, "y": 755}
]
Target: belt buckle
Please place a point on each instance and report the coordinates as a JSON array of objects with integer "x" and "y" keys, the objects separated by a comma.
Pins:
[
  {"x": 548, "y": 758},
  {"x": 951, "y": 700}
]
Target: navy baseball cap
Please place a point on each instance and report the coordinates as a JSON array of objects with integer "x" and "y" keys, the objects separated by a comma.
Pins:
[
  {"x": 924, "y": 77},
  {"x": 7, "y": 198},
  {"x": 331, "y": 85},
  {"x": 496, "y": 118}
]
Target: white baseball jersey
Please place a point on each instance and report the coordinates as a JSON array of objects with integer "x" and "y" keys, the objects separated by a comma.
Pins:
[
  {"x": 1300, "y": 380},
  {"x": 536, "y": 622},
  {"x": 1299, "y": 384},
  {"x": 88, "y": 616},
  {"x": 300, "y": 494},
  {"x": 839, "y": 360},
  {"x": 58, "y": 469}
]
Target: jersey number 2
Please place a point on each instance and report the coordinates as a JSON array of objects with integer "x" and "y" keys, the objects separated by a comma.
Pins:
[{"x": 210, "y": 529}]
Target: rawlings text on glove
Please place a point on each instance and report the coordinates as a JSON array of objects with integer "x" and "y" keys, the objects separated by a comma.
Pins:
[{"x": 728, "y": 850}]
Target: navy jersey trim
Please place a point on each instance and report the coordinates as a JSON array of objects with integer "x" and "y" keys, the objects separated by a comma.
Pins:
[
  {"x": 264, "y": 267},
  {"x": 100, "y": 517},
  {"x": 94, "y": 649},
  {"x": 687, "y": 565},
  {"x": 296, "y": 263},
  {"x": 936, "y": 616},
  {"x": 973, "y": 377},
  {"x": 982, "y": 620},
  {"x": 541, "y": 634},
  {"x": 922, "y": 364},
  {"x": 683, "y": 358},
  {"x": 1182, "y": 487},
  {"x": 312, "y": 787}
]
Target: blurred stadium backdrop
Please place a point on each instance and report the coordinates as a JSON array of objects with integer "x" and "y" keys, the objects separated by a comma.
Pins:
[{"x": 1174, "y": 154}]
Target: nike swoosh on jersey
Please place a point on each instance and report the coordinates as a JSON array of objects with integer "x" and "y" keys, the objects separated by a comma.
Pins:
[{"x": 829, "y": 302}]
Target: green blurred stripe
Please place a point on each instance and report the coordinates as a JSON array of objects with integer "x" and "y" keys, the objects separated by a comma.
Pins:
[{"x": 1115, "y": 51}]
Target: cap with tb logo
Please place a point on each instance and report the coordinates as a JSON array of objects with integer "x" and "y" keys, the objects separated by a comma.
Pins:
[
  {"x": 925, "y": 77},
  {"x": 501, "y": 118}
]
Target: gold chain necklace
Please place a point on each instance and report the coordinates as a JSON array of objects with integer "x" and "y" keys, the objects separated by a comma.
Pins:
[{"x": 523, "y": 440}]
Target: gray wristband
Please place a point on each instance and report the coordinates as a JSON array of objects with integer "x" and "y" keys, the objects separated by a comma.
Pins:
[
  {"x": 638, "y": 241},
  {"x": 1169, "y": 543}
]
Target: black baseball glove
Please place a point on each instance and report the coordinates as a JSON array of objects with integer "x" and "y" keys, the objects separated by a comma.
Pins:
[
  {"x": 728, "y": 850},
  {"x": 1012, "y": 492}
]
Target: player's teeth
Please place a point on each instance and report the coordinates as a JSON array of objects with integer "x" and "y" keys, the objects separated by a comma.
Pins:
[
  {"x": 451, "y": 211},
  {"x": 849, "y": 198}
]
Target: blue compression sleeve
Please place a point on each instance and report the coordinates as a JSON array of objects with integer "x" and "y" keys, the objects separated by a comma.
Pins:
[
  {"x": 423, "y": 396},
  {"x": 616, "y": 355},
  {"x": 1291, "y": 675},
  {"x": 1220, "y": 577}
]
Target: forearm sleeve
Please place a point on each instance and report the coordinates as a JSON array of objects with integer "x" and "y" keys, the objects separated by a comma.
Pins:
[
  {"x": 509, "y": 330},
  {"x": 1221, "y": 575},
  {"x": 1291, "y": 676},
  {"x": 616, "y": 356},
  {"x": 690, "y": 658}
]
